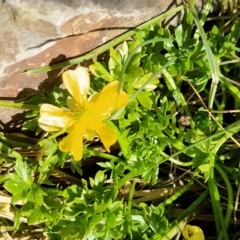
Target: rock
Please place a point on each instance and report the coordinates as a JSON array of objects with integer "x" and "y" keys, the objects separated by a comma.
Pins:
[{"x": 40, "y": 32}]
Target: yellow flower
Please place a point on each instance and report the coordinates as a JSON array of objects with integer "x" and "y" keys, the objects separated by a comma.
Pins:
[
  {"x": 192, "y": 233},
  {"x": 85, "y": 115}
]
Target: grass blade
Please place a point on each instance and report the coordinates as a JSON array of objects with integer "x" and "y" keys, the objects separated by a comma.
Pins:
[{"x": 210, "y": 57}]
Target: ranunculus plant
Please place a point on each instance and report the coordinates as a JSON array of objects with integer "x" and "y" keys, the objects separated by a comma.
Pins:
[{"x": 85, "y": 116}]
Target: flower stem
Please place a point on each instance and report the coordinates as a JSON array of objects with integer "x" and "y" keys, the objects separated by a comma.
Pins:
[
  {"x": 107, "y": 45},
  {"x": 9, "y": 104},
  {"x": 105, "y": 156}
]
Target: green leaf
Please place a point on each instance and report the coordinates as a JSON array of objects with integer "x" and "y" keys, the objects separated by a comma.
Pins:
[
  {"x": 109, "y": 196},
  {"x": 105, "y": 165},
  {"x": 133, "y": 45},
  {"x": 3, "y": 178},
  {"x": 19, "y": 196},
  {"x": 135, "y": 61},
  {"x": 145, "y": 100},
  {"x": 235, "y": 34},
  {"x": 149, "y": 87},
  {"x": 48, "y": 214},
  {"x": 114, "y": 68},
  {"x": 115, "y": 56},
  {"x": 47, "y": 165},
  {"x": 115, "y": 205},
  {"x": 30, "y": 124},
  {"x": 36, "y": 216},
  {"x": 204, "y": 167},
  {"x": 95, "y": 219},
  {"x": 21, "y": 169},
  {"x": 123, "y": 50},
  {"x": 72, "y": 192},
  {"x": 132, "y": 74},
  {"x": 91, "y": 182},
  {"x": 52, "y": 202},
  {"x": 12, "y": 186},
  {"x": 179, "y": 34},
  {"x": 27, "y": 209},
  {"x": 98, "y": 208},
  {"x": 36, "y": 194},
  {"x": 50, "y": 148},
  {"x": 164, "y": 105},
  {"x": 98, "y": 70},
  {"x": 75, "y": 210},
  {"x": 17, "y": 221},
  {"x": 99, "y": 178},
  {"x": 111, "y": 219}
]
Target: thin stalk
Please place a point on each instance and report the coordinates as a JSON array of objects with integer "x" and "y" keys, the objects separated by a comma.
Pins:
[
  {"x": 130, "y": 199},
  {"x": 214, "y": 207},
  {"x": 5, "y": 149},
  {"x": 215, "y": 199},
  {"x": 235, "y": 92},
  {"x": 107, "y": 45},
  {"x": 60, "y": 174},
  {"x": 230, "y": 197},
  {"x": 178, "y": 193},
  {"x": 129, "y": 207},
  {"x": 177, "y": 162},
  {"x": 104, "y": 155},
  {"x": 173, "y": 227},
  {"x": 57, "y": 133},
  {"x": 15, "y": 143},
  {"x": 224, "y": 138},
  {"x": 23, "y": 106},
  {"x": 222, "y": 105}
]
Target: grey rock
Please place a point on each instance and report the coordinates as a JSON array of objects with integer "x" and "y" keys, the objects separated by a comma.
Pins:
[{"x": 40, "y": 32}]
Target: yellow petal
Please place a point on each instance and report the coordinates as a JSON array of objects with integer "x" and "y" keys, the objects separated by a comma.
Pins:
[
  {"x": 90, "y": 133},
  {"x": 192, "y": 233},
  {"x": 77, "y": 83},
  {"x": 109, "y": 100},
  {"x": 54, "y": 119},
  {"x": 107, "y": 135},
  {"x": 73, "y": 142}
]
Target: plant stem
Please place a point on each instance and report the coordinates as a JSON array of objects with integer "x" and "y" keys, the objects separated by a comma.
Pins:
[
  {"x": 171, "y": 199},
  {"x": 106, "y": 46},
  {"x": 230, "y": 197},
  {"x": 104, "y": 155},
  {"x": 9, "y": 104},
  {"x": 218, "y": 214},
  {"x": 174, "y": 226}
]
